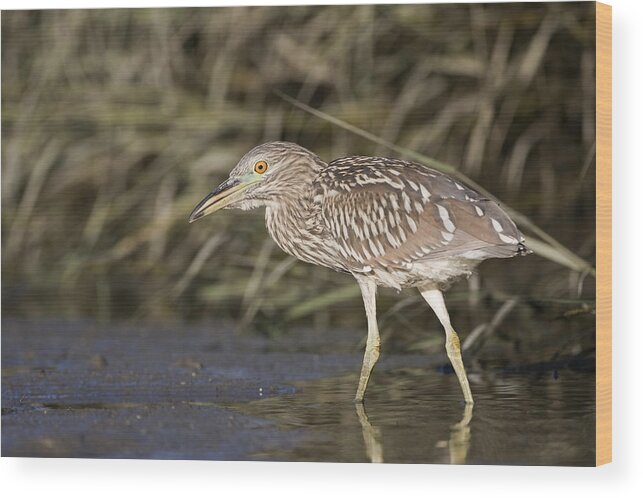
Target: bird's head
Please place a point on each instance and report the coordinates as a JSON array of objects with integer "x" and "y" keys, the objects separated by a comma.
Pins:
[{"x": 267, "y": 174}]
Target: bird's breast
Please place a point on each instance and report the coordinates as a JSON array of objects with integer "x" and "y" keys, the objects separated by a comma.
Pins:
[{"x": 294, "y": 230}]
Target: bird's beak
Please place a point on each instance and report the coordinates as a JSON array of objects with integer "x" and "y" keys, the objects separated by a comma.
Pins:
[{"x": 228, "y": 192}]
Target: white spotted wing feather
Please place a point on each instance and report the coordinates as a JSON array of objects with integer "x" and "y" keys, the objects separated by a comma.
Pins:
[{"x": 386, "y": 215}]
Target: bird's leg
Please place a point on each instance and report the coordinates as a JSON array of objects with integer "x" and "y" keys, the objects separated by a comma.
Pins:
[
  {"x": 436, "y": 301},
  {"x": 372, "y": 352}
]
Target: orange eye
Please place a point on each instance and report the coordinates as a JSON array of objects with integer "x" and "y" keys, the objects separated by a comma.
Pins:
[{"x": 261, "y": 167}]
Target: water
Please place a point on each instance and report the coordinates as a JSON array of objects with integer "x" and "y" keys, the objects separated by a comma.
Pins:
[
  {"x": 124, "y": 391},
  {"x": 416, "y": 416}
]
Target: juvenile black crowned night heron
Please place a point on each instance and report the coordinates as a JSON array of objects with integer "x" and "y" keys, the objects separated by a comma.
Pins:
[{"x": 387, "y": 222}]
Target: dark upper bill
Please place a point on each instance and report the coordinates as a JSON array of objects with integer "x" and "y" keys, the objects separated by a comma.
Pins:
[{"x": 228, "y": 192}]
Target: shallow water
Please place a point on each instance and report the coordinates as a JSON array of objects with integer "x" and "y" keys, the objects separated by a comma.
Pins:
[
  {"x": 416, "y": 416},
  {"x": 123, "y": 391}
]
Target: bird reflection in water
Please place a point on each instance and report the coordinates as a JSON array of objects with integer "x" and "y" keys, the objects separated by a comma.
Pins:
[
  {"x": 458, "y": 444},
  {"x": 371, "y": 435},
  {"x": 460, "y": 437}
]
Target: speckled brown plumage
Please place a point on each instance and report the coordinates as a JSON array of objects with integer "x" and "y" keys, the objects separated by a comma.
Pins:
[
  {"x": 386, "y": 221},
  {"x": 395, "y": 221}
]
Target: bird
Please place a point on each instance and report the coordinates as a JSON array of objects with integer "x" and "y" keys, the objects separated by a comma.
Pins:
[{"x": 387, "y": 222}]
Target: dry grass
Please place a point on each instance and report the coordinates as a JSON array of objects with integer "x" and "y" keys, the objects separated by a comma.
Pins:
[{"x": 116, "y": 122}]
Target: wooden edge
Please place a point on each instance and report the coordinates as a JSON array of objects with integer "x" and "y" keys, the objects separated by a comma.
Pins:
[{"x": 603, "y": 233}]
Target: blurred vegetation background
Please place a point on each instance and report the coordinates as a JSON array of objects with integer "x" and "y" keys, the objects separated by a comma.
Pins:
[{"x": 115, "y": 123}]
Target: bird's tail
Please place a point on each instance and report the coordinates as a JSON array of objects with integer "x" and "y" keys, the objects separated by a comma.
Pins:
[{"x": 523, "y": 250}]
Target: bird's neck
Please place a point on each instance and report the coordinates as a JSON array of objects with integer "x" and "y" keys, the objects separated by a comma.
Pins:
[
  {"x": 287, "y": 217},
  {"x": 289, "y": 224}
]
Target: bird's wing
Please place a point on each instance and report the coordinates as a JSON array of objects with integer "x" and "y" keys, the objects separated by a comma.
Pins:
[{"x": 389, "y": 213}]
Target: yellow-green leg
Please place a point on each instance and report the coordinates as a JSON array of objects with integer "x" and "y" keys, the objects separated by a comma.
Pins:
[
  {"x": 436, "y": 301},
  {"x": 372, "y": 352}
]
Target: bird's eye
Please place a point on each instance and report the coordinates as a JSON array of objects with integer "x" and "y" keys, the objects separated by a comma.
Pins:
[{"x": 261, "y": 167}]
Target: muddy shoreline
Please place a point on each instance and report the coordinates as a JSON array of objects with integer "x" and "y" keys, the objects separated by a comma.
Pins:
[{"x": 80, "y": 389}]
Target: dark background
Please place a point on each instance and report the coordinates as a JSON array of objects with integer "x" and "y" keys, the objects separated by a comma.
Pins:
[{"x": 115, "y": 123}]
